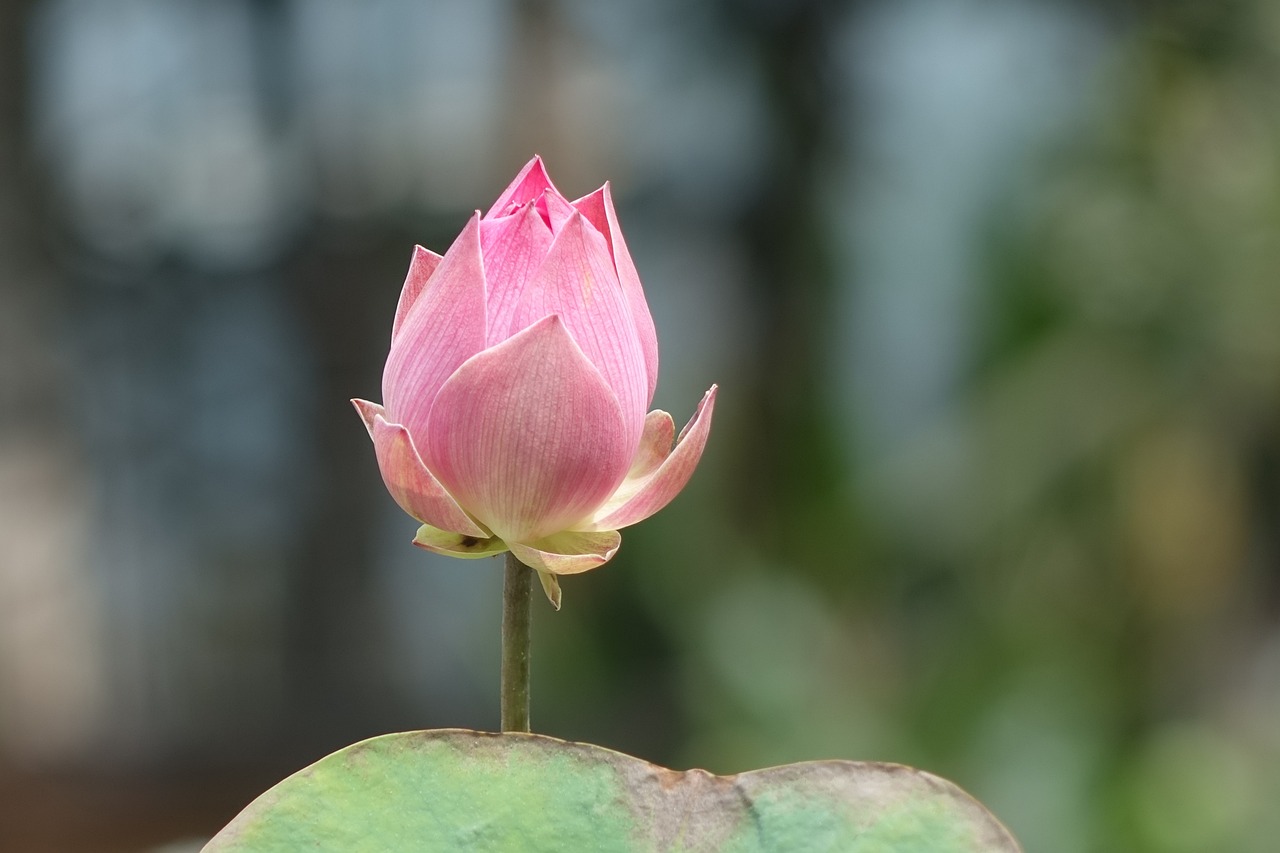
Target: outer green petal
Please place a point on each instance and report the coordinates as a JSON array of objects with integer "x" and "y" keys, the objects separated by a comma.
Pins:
[
  {"x": 551, "y": 586},
  {"x": 568, "y": 553},
  {"x": 457, "y": 544}
]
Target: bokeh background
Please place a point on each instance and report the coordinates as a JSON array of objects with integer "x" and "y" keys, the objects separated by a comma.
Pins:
[{"x": 991, "y": 289}]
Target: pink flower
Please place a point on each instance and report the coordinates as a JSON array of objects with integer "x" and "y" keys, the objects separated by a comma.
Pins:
[{"x": 514, "y": 396}]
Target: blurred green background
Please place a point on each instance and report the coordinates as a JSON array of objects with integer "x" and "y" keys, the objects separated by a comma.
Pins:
[{"x": 991, "y": 289}]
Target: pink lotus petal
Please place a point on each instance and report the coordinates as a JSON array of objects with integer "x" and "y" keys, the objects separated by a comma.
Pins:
[
  {"x": 457, "y": 544},
  {"x": 665, "y": 483},
  {"x": 568, "y": 553},
  {"x": 410, "y": 483},
  {"x": 421, "y": 267},
  {"x": 444, "y": 327},
  {"x": 527, "y": 435},
  {"x": 531, "y": 183},
  {"x": 655, "y": 444},
  {"x": 598, "y": 208},
  {"x": 555, "y": 210},
  {"x": 578, "y": 282},
  {"x": 514, "y": 247}
]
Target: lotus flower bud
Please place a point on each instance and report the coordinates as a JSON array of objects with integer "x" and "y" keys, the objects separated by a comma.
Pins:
[{"x": 522, "y": 365}]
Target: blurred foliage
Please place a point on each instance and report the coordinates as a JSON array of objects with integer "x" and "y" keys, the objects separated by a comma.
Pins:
[{"x": 1065, "y": 591}]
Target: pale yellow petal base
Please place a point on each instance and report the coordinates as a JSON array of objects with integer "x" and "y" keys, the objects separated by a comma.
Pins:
[{"x": 457, "y": 544}]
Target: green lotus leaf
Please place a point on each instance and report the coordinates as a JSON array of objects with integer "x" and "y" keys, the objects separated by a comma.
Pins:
[{"x": 455, "y": 789}]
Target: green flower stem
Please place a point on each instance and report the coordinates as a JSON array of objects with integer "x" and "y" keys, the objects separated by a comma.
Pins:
[{"x": 517, "y": 594}]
